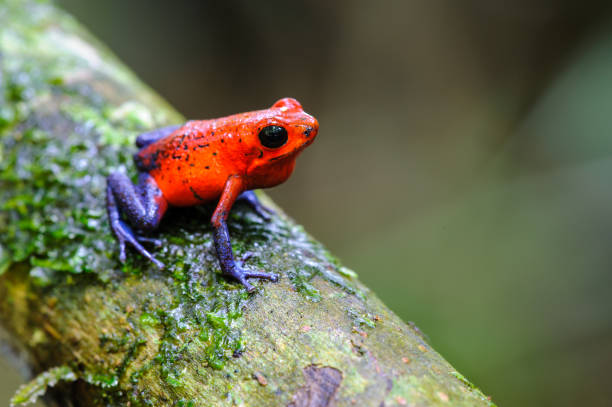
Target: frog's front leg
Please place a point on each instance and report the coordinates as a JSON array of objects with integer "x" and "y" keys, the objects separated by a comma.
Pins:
[
  {"x": 233, "y": 188},
  {"x": 142, "y": 204}
]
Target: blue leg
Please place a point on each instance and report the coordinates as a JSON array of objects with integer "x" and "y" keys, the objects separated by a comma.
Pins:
[
  {"x": 251, "y": 199},
  {"x": 222, "y": 240},
  {"x": 145, "y": 139},
  {"x": 142, "y": 204}
]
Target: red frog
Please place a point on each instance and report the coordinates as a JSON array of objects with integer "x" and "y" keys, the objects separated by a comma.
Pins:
[{"x": 204, "y": 161}]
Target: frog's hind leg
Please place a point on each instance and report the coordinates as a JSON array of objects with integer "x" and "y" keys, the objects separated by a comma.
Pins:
[
  {"x": 142, "y": 204},
  {"x": 145, "y": 139}
]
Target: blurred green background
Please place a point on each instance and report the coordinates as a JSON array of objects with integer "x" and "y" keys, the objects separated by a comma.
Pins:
[{"x": 462, "y": 166}]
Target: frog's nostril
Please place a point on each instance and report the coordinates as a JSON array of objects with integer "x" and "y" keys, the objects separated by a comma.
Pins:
[{"x": 307, "y": 132}]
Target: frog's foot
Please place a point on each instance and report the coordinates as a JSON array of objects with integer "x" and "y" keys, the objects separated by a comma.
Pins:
[
  {"x": 263, "y": 212},
  {"x": 143, "y": 205},
  {"x": 241, "y": 274},
  {"x": 252, "y": 201},
  {"x": 125, "y": 235}
]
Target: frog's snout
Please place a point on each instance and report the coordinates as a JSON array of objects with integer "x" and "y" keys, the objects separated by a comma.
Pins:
[
  {"x": 310, "y": 132},
  {"x": 311, "y": 128}
]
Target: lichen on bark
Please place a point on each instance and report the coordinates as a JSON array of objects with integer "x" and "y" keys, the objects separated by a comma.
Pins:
[{"x": 184, "y": 336}]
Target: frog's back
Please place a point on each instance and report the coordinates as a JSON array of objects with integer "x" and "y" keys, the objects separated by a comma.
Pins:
[
  {"x": 155, "y": 151},
  {"x": 190, "y": 166}
]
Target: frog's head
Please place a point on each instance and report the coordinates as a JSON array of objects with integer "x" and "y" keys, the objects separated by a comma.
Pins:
[
  {"x": 286, "y": 131},
  {"x": 283, "y": 131}
]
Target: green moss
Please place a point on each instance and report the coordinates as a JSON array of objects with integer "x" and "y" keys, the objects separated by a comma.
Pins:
[
  {"x": 101, "y": 379},
  {"x": 37, "y": 387},
  {"x": 185, "y": 403},
  {"x": 69, "y": 171},
  {"x": 147, "y": 319},
  {"x": 347, "y": 272},
  {"x": 5, "y": 260},
  {"x": 99, "y": 121},
  {"x": 132, "y": 115},
  {"x": 361, "y": 318},
  {"x": 301, "y": 281},
  {"x": 30, "y": 392}
]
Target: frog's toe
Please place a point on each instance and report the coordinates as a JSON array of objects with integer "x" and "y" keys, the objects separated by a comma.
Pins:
[
  {"x": 125, "y": 235},
  {"x": 148, "y": 255},
  {"x": 242, "y": 275},
  {"x": 259, "y": 274},
  {"x": 247, "y": 285},
  {"x": 122, "y": 251},
  {"x": 154, "y": 242},
  {"x": 245, "y": 257},
  {"x": 158, "y": 263}
]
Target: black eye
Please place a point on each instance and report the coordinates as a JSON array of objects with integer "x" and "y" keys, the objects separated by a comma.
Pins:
[{"x": 273, "y": 136}]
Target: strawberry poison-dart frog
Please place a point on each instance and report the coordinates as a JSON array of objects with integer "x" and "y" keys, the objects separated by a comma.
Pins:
[{"x": 204, "y": 161}]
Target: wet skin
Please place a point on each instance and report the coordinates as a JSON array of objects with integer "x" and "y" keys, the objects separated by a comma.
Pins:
[{"x": 219, "y": 160}]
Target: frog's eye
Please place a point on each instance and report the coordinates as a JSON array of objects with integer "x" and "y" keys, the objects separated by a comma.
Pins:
[{"x": 273, "y": 136}]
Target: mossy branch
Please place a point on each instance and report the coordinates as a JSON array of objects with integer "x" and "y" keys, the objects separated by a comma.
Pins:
[{"x": 184, "y": 336}]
